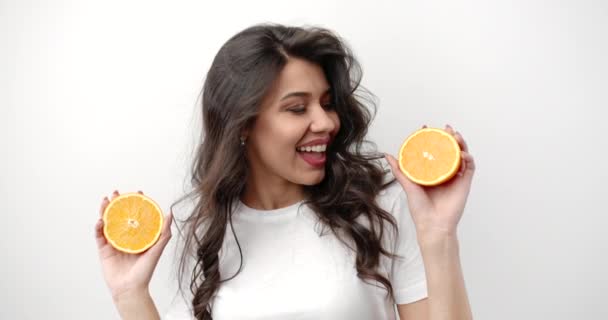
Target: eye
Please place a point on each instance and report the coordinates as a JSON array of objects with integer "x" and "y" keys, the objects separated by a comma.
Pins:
[
  {"x": 298, "y": 109},
  {"x": 329, "y": 106}
]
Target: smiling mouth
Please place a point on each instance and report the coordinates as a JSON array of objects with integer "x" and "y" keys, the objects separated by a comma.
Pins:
[
  {"x": 315, "y": 159},
  {"x": 315, "y": 148}
]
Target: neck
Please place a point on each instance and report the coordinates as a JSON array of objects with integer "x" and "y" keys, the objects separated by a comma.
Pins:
[{"x": 263, "y": 195}]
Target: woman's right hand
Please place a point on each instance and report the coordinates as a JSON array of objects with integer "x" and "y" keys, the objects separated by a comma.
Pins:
[{"x": 127, "y": 273}]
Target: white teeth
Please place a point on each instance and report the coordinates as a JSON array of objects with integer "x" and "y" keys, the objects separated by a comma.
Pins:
[{"x": 319, "y": 148}]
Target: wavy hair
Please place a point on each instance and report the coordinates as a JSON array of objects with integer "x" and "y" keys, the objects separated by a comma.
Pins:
[{"x": 240, "y": 76}]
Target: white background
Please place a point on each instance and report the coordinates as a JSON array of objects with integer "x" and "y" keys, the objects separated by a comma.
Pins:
[{"x": 102, "y": 95}]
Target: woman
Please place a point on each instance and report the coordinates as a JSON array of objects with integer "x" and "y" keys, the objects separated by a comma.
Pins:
[{"x": 293, "y": 220}]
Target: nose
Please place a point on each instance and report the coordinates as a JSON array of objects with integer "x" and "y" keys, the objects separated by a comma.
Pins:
[{"x": 323, "y": 120}]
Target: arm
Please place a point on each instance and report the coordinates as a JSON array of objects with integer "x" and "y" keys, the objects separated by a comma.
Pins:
[
  {"x": 136, "y": 305},
  {"x": 128, "y": 275},
  {"x": 436, "y": 212},
  {"x": 447, "y": 297}
]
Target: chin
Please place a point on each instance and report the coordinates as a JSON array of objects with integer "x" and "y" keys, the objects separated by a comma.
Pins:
[{"x": 312, "y": 178}]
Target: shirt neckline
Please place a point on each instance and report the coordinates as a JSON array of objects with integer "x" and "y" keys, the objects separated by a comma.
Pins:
[{"x": 248, "y": 211}]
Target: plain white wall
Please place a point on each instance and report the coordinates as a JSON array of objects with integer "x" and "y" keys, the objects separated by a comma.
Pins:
[{"x": 99, "y": 95}]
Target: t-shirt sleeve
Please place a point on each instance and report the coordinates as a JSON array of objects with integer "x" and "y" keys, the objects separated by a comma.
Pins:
[{"x": 407, "y": 273}]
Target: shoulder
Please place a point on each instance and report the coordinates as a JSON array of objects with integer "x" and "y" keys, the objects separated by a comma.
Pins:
[
  {"x": 393, "y": 200},
  {"x": 390, "y": 196}
]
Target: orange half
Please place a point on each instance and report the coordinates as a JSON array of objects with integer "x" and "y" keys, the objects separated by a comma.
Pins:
[
  {"x": 132, "y": 222},
  {"x": 430, "y": 156}
]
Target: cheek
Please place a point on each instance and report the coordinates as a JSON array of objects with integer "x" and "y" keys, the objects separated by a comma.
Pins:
[
  {"x": 289, "y": 133},
  {"x": 280, "y": 139},
  {"x": 336, "y": 120}
]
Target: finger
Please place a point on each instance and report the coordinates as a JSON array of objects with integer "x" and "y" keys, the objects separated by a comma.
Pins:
[
  {"x": 99, "y": 237},
  {"x": 104, "y": 205},
  {"x": 394, "y": 167},
  {"x": 458, "y": 137},
  {"x": 463, "y": 164},
  {"x": 461, "y": 142},
  {"x": 165, "y": 236},
  {"x": 467, "y": 167},
  {"x": 409, "y": 186},
  {"x": 165, "y": 233},
  {"x": 115, "y": 194},
  {"x": 470, "y": 162},
  {"x": 449, "y": 129},
  {"x": 167, "y": 224}
]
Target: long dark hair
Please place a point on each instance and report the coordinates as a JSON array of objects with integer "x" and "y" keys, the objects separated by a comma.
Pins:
[{"x": 240, "y": 76}]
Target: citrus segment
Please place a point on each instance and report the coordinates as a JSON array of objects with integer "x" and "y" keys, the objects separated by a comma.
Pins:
[
  {"x": 132, "y": 222},
  {"x": 429, "y": 156}
]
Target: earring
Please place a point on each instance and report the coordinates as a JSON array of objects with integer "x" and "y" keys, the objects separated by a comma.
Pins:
[{"x": 242, "y": 141}]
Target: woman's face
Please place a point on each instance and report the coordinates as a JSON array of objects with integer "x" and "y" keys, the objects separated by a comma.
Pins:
[{"x": 295, "y": 112}]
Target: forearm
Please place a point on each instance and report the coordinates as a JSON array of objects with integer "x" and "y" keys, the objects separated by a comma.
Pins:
[
  {"x": 447, "y": 296},
  {"x": 136, "y": 305}
]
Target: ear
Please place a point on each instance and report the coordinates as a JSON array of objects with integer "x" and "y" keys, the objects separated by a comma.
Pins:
[{"x": 245, "y": 131}]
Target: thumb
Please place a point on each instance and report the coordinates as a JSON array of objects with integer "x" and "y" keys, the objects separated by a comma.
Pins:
[
  {"x": 165, "y": 235},
  {"x": 412, "y": 189}
]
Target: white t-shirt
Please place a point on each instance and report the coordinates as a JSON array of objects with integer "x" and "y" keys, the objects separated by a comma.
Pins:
[{"x": 291, "y": 272}]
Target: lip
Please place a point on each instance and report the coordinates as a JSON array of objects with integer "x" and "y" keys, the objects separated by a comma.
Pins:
[
  {"x": 315, "y": 142},
  {"x": 317, "y": 163}
]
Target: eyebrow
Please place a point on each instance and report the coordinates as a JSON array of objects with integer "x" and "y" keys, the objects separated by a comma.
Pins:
[{"x": 302, "y": 94}]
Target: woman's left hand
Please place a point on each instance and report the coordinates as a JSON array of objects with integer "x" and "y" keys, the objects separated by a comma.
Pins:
[{"x": 437, "y": 210}]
